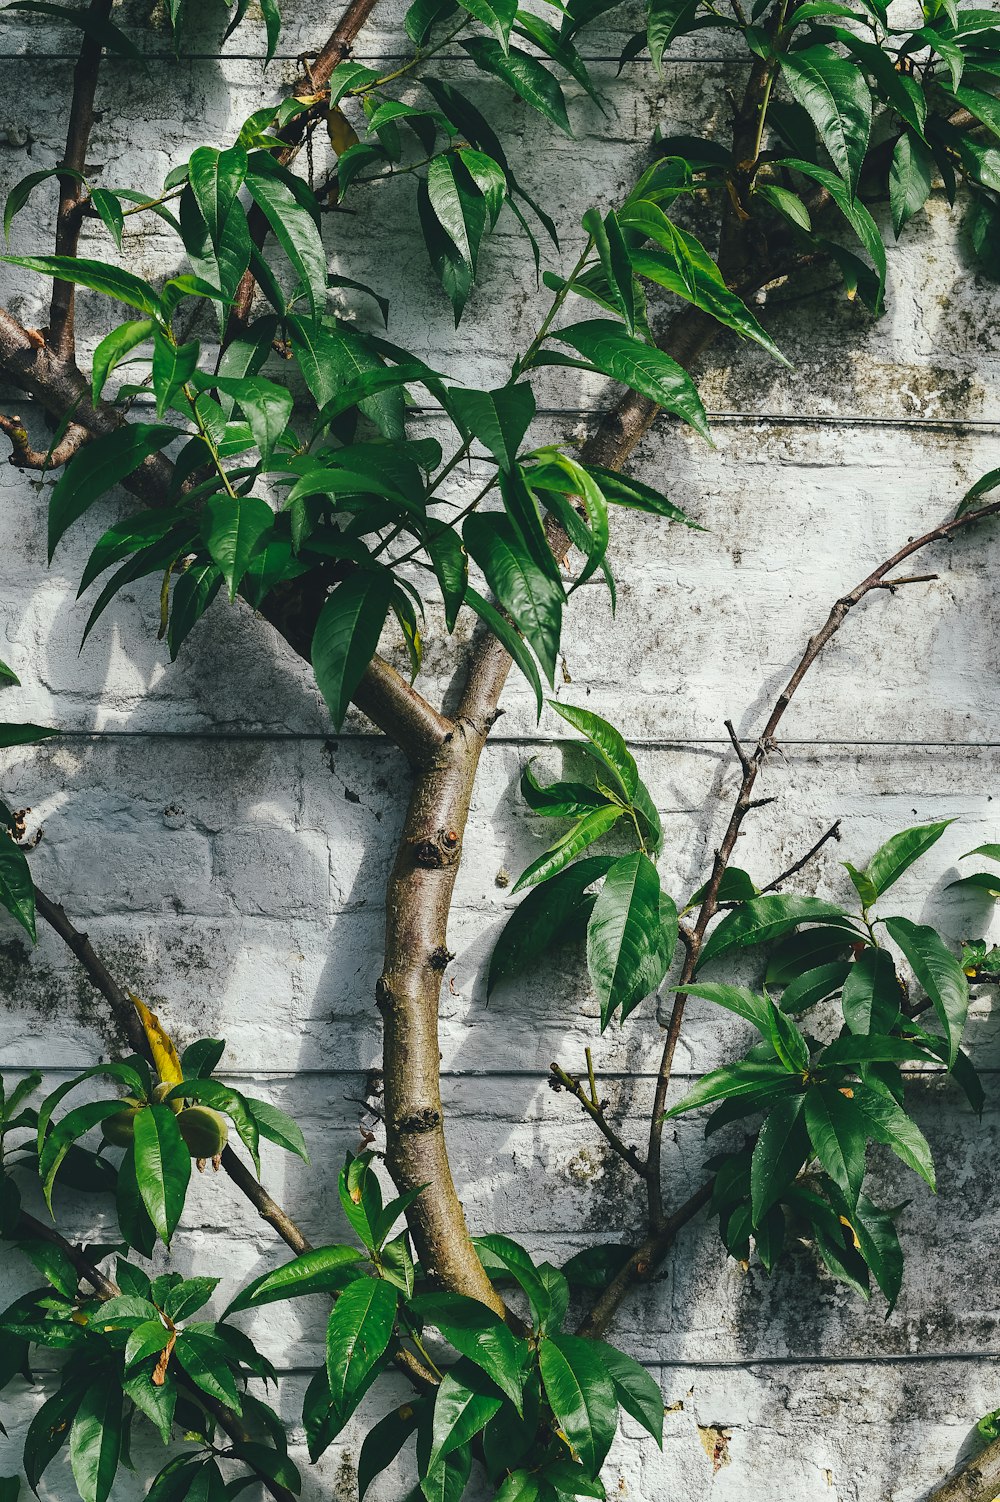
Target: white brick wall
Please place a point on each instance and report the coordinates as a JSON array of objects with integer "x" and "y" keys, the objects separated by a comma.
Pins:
[{"x": 228, "y": 857}]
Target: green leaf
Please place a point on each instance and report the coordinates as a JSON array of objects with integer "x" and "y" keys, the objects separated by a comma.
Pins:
[
  {"x": 383, "y": 1443},
  {"x": 322, "y": 1270},
  {"x": 667, "y": 19},
  {"x": 293, "y": 227},
  {"x": 521, "y": 507},
  {"x": 98, "y": 466},
  {"x": 938, "y": 972},
  {"x": 559, "y": 800},
  {"x": 635, "y": 1389},
  {"x": 358, "y": 1335},
  {"x": 347, "y": 634},
  {"x": 911, "y": 174},
  {"x": 502, "y": 1256},
  {"x": 22, "y": 191},
  {"x": 216, "y": 177},
  {"x": 478, "y": 1334},
  {"x": 887, "y": 1122},
  {"x": 205, "y": 1359},
  {"x": 782, "y": 1148},
  {"x": 499, "y": 418},
  {"x": 628, "y": 951},
  {"x": 460, "y": 212},
  {"x": 173, "y": 367},
  {"x": 95, "y": 1440},
  {"x": 853, "y": 211},
  {"x": 524, "y": 74},
  {"x": 788, "y": 204},
  {"x": 982, "y": 881},
  {"x": 508, "y": 638},
  {"x": 581, "y": 1394},
  {"x": 837, "y": 1130},
  {"x": 452, "y": 267},
  {"x": 147, "y": 1339},
  {"x": 533, "y": 598},
  {"x": 59, "y": 1140},
  {"x": 232, "y": 529},
  {"x": 464, "y": 1405},
  {"x": 162, "y": 1167},
  {"x": 991, "y": 852},
  {"x": 194, "y": 591},
  {"x": 899, "y": 853},
  {"x": 266, "y": 405},
  {"x": 615, "y": 263},
  {"x": 879, "y": 1245},
  {"x": 110, "y": 280},
  {"x": 109, "y": 210},
  {"x": 50, "y": 1427},
  {"x": 813, "y": 986},
  {"x": 17, "y": 890},
  {"x": 643, "y": 367},
  {"x": 126, "y": 537},
  {"x": 607, "y": 742},
  {"x": 498, "y": 15},
  {"x": 448, "y": 1480},
  {"x": 220, "y": 1097},
  {"x": 583, "y": 833},
  {"x": 747, "y": 1077},
  {"x": 834, "y": 93},
  {"x": 871, "y": 994},
  {"x": 804, "y": 951},
  {"x": 537, "y": 923},
  {"x": 277, "y": 1127},
  {"x": 762, "y": 919}
]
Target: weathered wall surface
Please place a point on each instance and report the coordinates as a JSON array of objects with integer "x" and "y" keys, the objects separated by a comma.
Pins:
[{"x": 227, "y": 856}]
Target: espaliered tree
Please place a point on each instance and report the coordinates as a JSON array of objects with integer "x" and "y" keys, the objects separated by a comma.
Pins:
[{"x": 321, "y": 513}]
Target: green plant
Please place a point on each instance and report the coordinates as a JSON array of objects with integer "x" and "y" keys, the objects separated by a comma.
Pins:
[{"x": 331, "y": 521}]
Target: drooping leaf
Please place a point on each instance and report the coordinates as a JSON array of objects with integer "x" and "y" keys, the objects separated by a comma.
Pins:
[
  {"x": 533, "y": 598},
  {"x": 938, "y": 972},
  {"x": 837, "y": 1131},
  {"x": 628, "y": 949},
  {"x": 95, "y": 1439},
  {"x": 110, "y": 280},
  {"x": 535, "y": 925},
  {"x": 98, "y": 466},
  {"x": 232, "y": 529},
  {"x": 782, "y": 1148},
  {"x": 577, "y": 839},
  {"x": 162, "y": 1167},
  {"x": 17, "y": 890},
  {"x": 479, "y": 1335},
  {"x": 524, "y": 74},
  {"x": 764, "y": 918},
  {"x": 608, "y": 743},
  {"x": 834, "y": 92},
  {"x": 871, "y": 994},
  {"x": 292, "y": 224},
  {"x": 579, "y": 1388},
  {"x": 499, "y": 418},
  {"x": 347, "y": 634},
  {"x": 358, "y": 1335},
  {"x": 641, "y": 366},
  {"x": 635, "y": 1389},
  {"x": 464, "y": 1404}
]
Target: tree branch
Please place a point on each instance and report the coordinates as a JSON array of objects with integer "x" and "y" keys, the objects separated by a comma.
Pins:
[
  {"x": 24, "y": 456},
  {"x": 106, "y": 1289},
  {"x": 833, "y": 833},
  {"x": 978, "y": 1481},
  {"x": 560, "y": 1080},
  {"x": 69, "y": 219}
]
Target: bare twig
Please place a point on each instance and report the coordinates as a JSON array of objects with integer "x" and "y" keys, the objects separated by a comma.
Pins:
[
  {"x": 595, "y": 1110},
  {"x": 833, "y": 833},
  {"x": 72, "y": 192}
]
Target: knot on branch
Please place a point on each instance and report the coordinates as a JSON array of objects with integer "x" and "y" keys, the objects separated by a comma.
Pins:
[
  {"x": 427, "y": 1120},
  {"x": 383, "y": 994},
  {"x": 441, "y": 957},
  {"x": 434, "y": 852}
]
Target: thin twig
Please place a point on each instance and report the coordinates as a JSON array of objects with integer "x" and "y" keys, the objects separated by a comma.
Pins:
[
  {"x": 595, "y": 1110},
  {"x": 833, "y": 833}
]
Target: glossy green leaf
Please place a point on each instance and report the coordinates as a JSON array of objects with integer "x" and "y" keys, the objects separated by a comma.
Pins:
[
  {"x": 499, "y": 418},
  {"x": 95, "y": 1440},
  {"x": 834, "y": 92},
  {"x": 607, "y": 742},
  {"x": 50, "y": 1426},
  {"x": 232, "y": 529},
  {"x": 173, "y": 367},
  {"x": 205, "y": 1359},
  {"x": 899, "y": 853},
  {"x": 358, "y": 1334},
  {"x": 464, "y": 1404},
  {"x": 643, "y": 367},
  {"x": 478, "y": 1334},
  {"x": 871, "y": 995},
  {"x": 886, "y": 1121},
  {"x": 194, "y": 592},
  {"x": 524, "y": 74},
  {"x": 987, "y": 882},
  {"x": 782, "y": 1148},
  {"x": 266, "y": 405},
  {"x": 938, "y": 972},
  {"x": 509, "y": 639},
  {"x": 57, "y": 1144},
  {"x": 22, "y": 191},
  {"x": 911, "y": 174},
  {"x": 559, "y": 800},
  {"x": 452, "y": 267},
  {"x": 804, "y": 951},
  {"x": 762, "y": 919},
  {"x": 878, "y": 1244},
  {"x": 636, "y": 1390},
  {"x": 498, "y": 15},
  {"x": 617, "y": 267},
  {"x": 628, "y": 951},
  {"x": 17, "y": 890},
  {"x": 459, "y": 206},
  {"x": 813, "y": 986},
  {"x": 100, "y": 465},
  {"x": 293, "y": 227},
  {"x": 747, "y": 1077},
  {"x": 321, "y": 1270},
  {"x": 216, "y": 177},
  {"x": 666, "y": 20},
  {"x": 162, "y": 1167},
  {"x": 347, "y": 634},
  {"x": 110, "y": 280},
  {"x": 533, "y": 598},
  {"x": 836, "y": 1129},
  {"x": 582, "y": 1396},
  {"x": 383, "y": 1443},
  {"x": 853, "y": 211},
  {"x": 277, "y": 1127},
  {"x": 537, "y": 923},
  {"x": 583, "y": 833}
]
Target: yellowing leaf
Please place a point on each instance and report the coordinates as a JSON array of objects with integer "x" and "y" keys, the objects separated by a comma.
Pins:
[
  {"x": 342, "y": 132},
  {"x": 165, "y": 1060}
]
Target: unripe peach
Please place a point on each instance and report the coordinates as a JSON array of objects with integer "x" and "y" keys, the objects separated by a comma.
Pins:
[
  {"x": 119, "y": 1129},
  {"x": 204, "y": 1130},
  {"x": 160, "y": 1093}
]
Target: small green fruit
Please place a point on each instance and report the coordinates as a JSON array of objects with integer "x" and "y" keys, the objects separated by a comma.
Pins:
[
  {"x": 204, "y": 1130},
  {"x": 119, "y": 1129},
  {"x": 160, "y": 1093}
]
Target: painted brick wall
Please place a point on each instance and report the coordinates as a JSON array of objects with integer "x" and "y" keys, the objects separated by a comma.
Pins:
[{"x": 227, "y": 855}]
